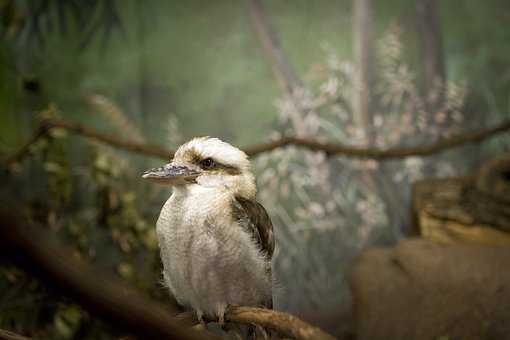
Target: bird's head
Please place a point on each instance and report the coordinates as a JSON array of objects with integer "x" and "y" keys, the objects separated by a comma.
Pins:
[{"x": 207, "y": 162}]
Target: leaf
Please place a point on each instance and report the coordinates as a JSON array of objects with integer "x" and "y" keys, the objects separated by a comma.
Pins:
[
  {"x": 150, "y": 239},
  {"x": 53, "y": 167},
  {"x": 125, "y": 270},
  {"x": 58, "y": 133},
  {"x": 67, "y": 320}
]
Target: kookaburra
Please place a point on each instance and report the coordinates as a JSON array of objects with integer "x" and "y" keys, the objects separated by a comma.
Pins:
[{"x": 216, "y": 241}]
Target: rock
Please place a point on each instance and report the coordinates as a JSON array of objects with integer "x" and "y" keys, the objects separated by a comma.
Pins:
[
  {"x": 472, "y": 209},
  {"x": 453, "y": 211},
  {"x": 425, "y": 290}
]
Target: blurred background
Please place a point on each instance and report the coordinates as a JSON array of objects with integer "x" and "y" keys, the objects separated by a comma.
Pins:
[{"x": 369, "y": 74}]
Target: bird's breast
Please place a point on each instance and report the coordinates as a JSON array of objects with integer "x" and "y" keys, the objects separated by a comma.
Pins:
[
  {"x": 207, "y": 257},
  {"x": 190, "y": 229}
]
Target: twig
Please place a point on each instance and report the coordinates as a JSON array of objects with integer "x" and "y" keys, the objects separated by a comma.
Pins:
[
  {"x": 24, "y": 150},
  {"x": 110, "y": 139},
  {"x": 364, "y": 75},
  {"x": 101, "y": 294},
  {"x": 428, "y": 25},
  {"x": 7, "y": 335},
  {"x": 282, "y": 70},
  {"x": 331, "y": 149},
  {"x": 85, "y": 131}
]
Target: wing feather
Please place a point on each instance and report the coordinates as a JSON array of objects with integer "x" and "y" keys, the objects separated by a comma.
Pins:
[{"x": 253, "y": 217}]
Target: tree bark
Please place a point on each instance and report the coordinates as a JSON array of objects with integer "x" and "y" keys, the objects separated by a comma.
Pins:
[
  {"x": 363, "y": 47},
  {"x": 143, "y": 85},
  {"x": 431, "y": 46},
  {"x": 282, "y": 70}
]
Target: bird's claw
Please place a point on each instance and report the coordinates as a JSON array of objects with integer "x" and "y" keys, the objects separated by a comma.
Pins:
[
  {"x": 221, "y": 316},
  {"x": 201, "y": 321},
  {"x": 221, "y": 320},
  {"x": 262, "y": 333}
]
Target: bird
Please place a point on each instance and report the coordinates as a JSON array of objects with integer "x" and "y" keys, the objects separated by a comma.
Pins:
[{"x": 216, "y": 241}]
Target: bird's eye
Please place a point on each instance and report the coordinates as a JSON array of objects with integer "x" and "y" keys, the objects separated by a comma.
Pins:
[{"x": 207, "y": 163}]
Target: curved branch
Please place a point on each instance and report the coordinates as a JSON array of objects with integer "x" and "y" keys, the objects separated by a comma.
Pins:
[
  {"x": 109, "y": 139},
  {"x": 119, "y": 303},
  {"x": 338, "y": 149},
  {"x": 88, "y": 132},
  {"x": 270, "y": 44},
  {"x": 331, "y": 149},
  {"x": 283, "y": 323}
]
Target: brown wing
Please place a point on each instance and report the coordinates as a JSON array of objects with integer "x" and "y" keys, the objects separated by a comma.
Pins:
[{"x": 252, "y": 216}]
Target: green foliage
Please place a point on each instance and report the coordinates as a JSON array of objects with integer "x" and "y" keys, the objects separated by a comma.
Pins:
[
  {"x": 97, "y": 211},
  {"x": 33, "y": 21}
]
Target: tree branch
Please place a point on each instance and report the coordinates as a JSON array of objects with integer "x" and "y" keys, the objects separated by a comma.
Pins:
[
  {"x": 282, "y": 70},
  {"x": 431, "y": 45},
  {"x": 117, "y": 302},
  {"x": 338, "y": 149},
  {"x": 85, "y": 131},
  {"x": 103, "y": 295},
  {"x": 283, "y": 323},
  {"x": 331, "y": 149},
  {"x": 363, "y": 47},
  {"x": 24, "y": 150},
  {"x": 7, "y": 335}
]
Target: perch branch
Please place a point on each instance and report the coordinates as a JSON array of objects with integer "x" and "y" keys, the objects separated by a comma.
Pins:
[
  {"x": 331, "y": 149},
  {"x": 283, "y": 323},
  {"x": 104, "y": 296},
  {"x": 115, "y": 301},
  {"x": 88, "y": 132}
]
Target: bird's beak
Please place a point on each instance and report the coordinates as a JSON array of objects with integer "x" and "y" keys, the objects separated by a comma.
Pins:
[{"x": 171, "y": 174}]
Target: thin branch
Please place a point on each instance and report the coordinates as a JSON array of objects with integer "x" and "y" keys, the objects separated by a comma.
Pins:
[
  {"x": 337, "y": 149},
  {"x": 282, "y": 70},
  {"x": 110, "y": 139},
  {"x": 24, "y": 150},
  {"x": 85, "y": 131},
  {"x": 331, "y": 149},
  {"x": 431, "y": 45},
  {"x": 363, "y": 47}
]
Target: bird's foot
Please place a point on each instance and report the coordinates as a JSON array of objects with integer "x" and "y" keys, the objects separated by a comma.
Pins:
[
  {"x": 200, "y": 317},
  {"x": 261, "y": 333},
  {"x": 199, "y": 327},
  {"x": 221, "y": 316}
]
